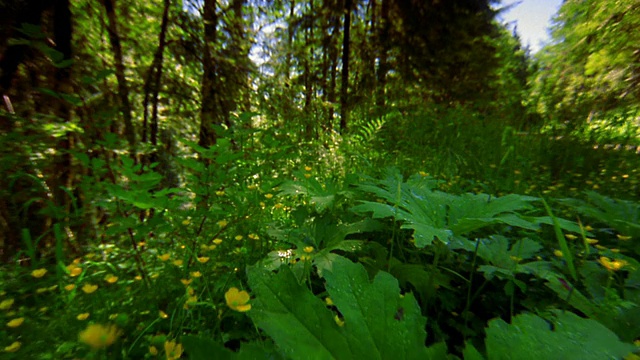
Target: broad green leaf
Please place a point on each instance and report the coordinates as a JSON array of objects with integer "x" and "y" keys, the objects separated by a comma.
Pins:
[
  {"x": 299, "y": 323},
  {"x": 563, "y": 336},
  {"x": 379, "y": 323}
]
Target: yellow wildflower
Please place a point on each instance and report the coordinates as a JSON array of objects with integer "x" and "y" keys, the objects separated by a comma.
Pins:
[
  {"x": 253, "y": 236},
  {"x": 239, "y": 237},
  {"x": 328, "y": 301},
  {"x": 237, "y": 300},
  {"x": 164, "y": 257},
  {"x": 307, "y": 168},
  {"x": 38, "y": 273},
  {"x": 220, "y": 192},
  {"x": 186, "y": 282},
  {"x": 222, "y": 223},
  {"x": 588, "y": 228},
  {"x": 89, "y": 288},
  {"x": 153, "y": 350},
  {"x": 610, "y": 265},
  {"x": 111, "y": 279},
  {"x": 308, "y": 176},
  {"x": 196, "y": 274},
  {"x": 74, "y": 270},
  {"x": 137, "y": 278},
  {"x": 13, "y": 347},
  {"x": 178, "y": 262},
  {"x": 15, "y": 322},
  {"x": 173, "y": 350},
  {"x": 252, "y": 187},
  {"x": 592, "y": 241},
  {"x": 99, "y": 336},
  {"x": 571, "y": 236},
  {"x": 557, "y": 253},
  {"x": 162, "y": 314},
  {"x": 217, "y": 241},
  {"x": 83, "y": 316},
  {"x": 423, "y": 174},
  {"x": 186, "y": 222},
  {"x": 278, "y": 206},
  {"x": 212, "y": 247},
  {"x": 308, "y": 249},
  {"x": 6, "y": 304},
  {"x": 203, "y": 259},
  {"x": 268, "y": 196}
]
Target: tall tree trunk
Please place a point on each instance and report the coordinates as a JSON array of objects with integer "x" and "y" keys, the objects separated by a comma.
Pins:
[
  {"x": 346, "y": 42},
  {"x": 308, "y": 75},
  {"x": 152, "y": 86},
  {"x": 62, "y": 174},
  {"x": 383, "y": 66},
  {"x": 209, "y": 117},
  {"x": 123, "y": 89}
]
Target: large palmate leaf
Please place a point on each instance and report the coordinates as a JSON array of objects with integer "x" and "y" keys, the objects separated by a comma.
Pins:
[
  {"x": 379, "y": 323},
  {"x": 563, "y": 336},
  {"x": 622, "y": 215},
  {"x": 435, "y": 214}
]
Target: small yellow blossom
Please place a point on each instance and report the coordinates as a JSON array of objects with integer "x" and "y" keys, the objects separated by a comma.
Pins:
[
  {"x": 305, "y": 258},
  {"x": 557, "y": 253},
  {"x": 220, "y": 192},
  {"x": 610, "y": 265},
  {"x": 253, "y": 236},
  {"x": 38, "y": 273},
  {"x": 308, "y": 249},
  {"x": 571, "y": 236},
  {"x": 338, "y": 321},
  {"x": 239, "y": 237},
  {"x": 307, "y": 168},
  {"x": 190, "y": 291},
  {"x": 588, "y": 228},
  {"x": 6, "y": 304},
  {"x": 83, "y": 316},
  {"x": 15, "y": 322},
  {"x": 15, "y": 346},
  {"x": 99, "y": 336},
  {"x": 186, "y": 222},
  {"x": 217, "y": 241},
  {"x": 137, "y": 278},
  {"x": 211, "y": 247},
  {"x": 423, "y": 174},
  {"x": 308, "y": 176},
  {"x": 162, "y": 314},
  {"x": 192, "y": 299},
  {"x": 203, "y": 259},
  {"x": 173, "y": 350},
  {"x": 268, "y": 196},
  {"x": 111, "y": 279},
  {"x": 223, "y": 223},
  {"x": 328, "y": 301},
  {"x": 164, "y": 257},
  {"x": 196, "y": 274},
  {"x": 592, "y": 241},
  {"x": 278, "y": 206},
  {"x": 186, "y": 282},
  {"x": 74, "y": 270},
  {"x": 153, "y": 350},
  {"x": 252, "y": 187},
  {"x": 89, "y": 288},
  {"x": 237, "y": 300},
  {"x": 178, "y": 262},
  {"x": 142, "y": 243},
  {"x": 623, "y": 237}
]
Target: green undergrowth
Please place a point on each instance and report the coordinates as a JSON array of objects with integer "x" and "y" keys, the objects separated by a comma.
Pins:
[{"x": 316, "y": 267}]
